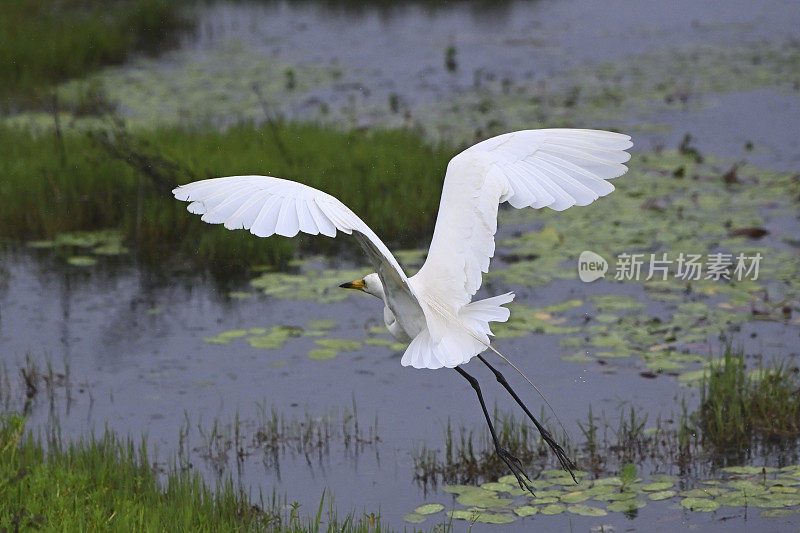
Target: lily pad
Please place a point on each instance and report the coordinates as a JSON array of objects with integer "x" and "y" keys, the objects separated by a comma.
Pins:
[
  {"x": 81, "y": 260},
  {"x": 576, "y": 496},
  {"x": 626, "y": 505},
  {"x": 342, "y": 345},
  {"x": 323, "y": 354},
  {"x": 429, "y": 508},
  {"x": 586, "y": 510},
  {"x": 499, "y": 487},
  {"x": 662, "y": 495},
  {"x": 553, "y": 509},
  {"x": 526, "y": 510},
  {"x": 414, "y": 518},
  {"x": 699, "y": 504},
  {"x": 657, "y": 486}
]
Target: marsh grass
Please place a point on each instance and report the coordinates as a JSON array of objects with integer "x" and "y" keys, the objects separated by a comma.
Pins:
[
  {"x": 109, "y": 484},
  {"x": 741, "y": 417},
  {"x": 739, "y": 409},
  {"x": 62, "y": 182},
  {"x": 45, "y": 42}
]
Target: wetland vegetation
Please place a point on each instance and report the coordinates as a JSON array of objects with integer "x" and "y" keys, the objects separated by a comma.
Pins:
[{"x": 88, "y": 163}]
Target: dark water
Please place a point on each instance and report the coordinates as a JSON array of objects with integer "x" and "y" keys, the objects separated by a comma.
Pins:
[{"x": 133, "y": 339}]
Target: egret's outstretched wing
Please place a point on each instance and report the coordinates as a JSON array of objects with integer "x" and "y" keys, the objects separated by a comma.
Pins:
[
  {"x": 268, "y": 206},
  {"x": 555, "y": 168}
]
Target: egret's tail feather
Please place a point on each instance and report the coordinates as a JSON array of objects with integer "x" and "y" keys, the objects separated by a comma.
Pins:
[{"x": 460, "y": 344}]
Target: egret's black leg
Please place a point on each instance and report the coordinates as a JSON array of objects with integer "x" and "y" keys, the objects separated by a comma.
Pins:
[
  {"x": 558, "y": 450},
  {"x": 513, "y": 463}
]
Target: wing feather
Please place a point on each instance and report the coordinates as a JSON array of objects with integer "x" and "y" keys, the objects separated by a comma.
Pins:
[
  {"x": 555, "y": 168},
  {"x": 267, "y": 206}
]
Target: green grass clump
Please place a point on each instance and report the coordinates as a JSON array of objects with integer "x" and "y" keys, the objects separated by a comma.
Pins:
[
  {"x": 738, "y": 408},
  {"x": 112, "y": 179},
  {"x": 110, "y": 485},
  {"x": 105, "y": 484},
  {"x": 43, "y": 42}
]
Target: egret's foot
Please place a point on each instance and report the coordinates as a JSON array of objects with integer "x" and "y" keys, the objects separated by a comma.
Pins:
[
  {"x": 515, "y": 465},
  {"x": 566, "y": 462}
]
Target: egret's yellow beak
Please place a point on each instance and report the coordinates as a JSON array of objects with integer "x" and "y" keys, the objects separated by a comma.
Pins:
[{"x": 358, "y": 284}]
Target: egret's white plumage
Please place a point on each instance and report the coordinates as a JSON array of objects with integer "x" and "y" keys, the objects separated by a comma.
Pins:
[{"x": 555, "y": 168}]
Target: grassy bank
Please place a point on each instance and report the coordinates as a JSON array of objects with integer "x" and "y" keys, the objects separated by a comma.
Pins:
[
  {"x": 45, "y": 42},
  {"x": 109, "y": 485},
  {"x": 63, "y": 182}
]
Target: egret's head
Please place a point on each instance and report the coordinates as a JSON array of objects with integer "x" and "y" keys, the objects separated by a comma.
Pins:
[{"x": 371, "y": 284}]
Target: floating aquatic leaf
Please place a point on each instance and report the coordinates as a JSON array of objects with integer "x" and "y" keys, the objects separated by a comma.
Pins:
[
  {"x": 323, "y": 354},
  {"x": 342, "y": 345},
  {"x": 233, "y": 334},
  {"x": 495, "y": 518},
  {"x": 615, "y": 496},
  {"x": 414, "y": 518},
  {"x": 614, "y": 481},
  {"x": 490, "y": 499},
  {"x": 378, "y": 341},
  {"x": 429, "y": 508},
  {"x": 657, "y": 486},
  {"x": 576, "y": 496},
  {"x": 662, "y": 495},
  {"x": 526, "y": 510},
  {"x": 544, "y": 500},
  {"x": 777, "y": 513},
  {"x": 586, "y": 510},
  {"x": 699, "y": 504},
  {"x": 703, "y": 493},
  {"x": 499, "y": 487},
  {"x": 461, "y": 514},
  {"x": 748, "y": 469},
  {"x": 274, "y": 339},
  {"x": 81, "y": 260},
  {"x": 461, "y": 489},
  {"x": 322, "y": 323},
  {"x": 553, "y": 509},
  {"x": 240, "y": 295},
  {"x": 626, "y": 505},
  {"x": 41, "y": 244},
  {"x": 535, "y": 483}
]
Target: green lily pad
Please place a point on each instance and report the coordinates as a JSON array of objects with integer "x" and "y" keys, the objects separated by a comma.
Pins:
[
  {"x": 586, "y": 510},
  {"x": 614, "y": 481},
  {"x": 553, "y": 509},
  {"x": 274, "y": 339},
  {"x": 657, "y": 486},
  {"x": 81, "y": 260},
  {"x": 461, "y": 514},
  {"x": 544, "y": 500},
  {"x": 498, "y": 487},
  {"x": 777, "y": 513},
  {"x": 342, "y": 345},
  {"x": 747, "y": 470},
  {"x": 615, "y": 496},
  {"x": 322, "y": 323},
  {"x": 576, "y": 496},
  {"x": 626, "y": 505},
  {"x": 703, "y": 493},
  {"x": 322, "y": 354},
  {"x": 495, "y": 518},
  {"x": 662, "y": 495},
  {"x": 414, "y": 518},
  {"x": 41, "y": 244},
  {"x": 429, "y": 508},
  {"x": 526, "y": 510},
  {"x": 699, "y": 504}
]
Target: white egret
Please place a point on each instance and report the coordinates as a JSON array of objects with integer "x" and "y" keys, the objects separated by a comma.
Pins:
[{"x": 433, "y": 310}]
